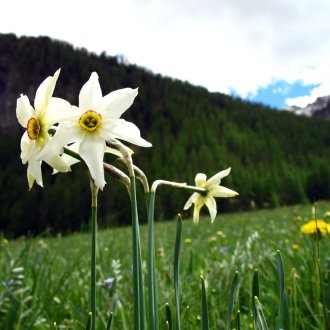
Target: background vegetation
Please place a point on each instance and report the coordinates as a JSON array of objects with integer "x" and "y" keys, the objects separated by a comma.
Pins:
[
  {"x": 276, "y": 157},
  {"x": 46, "y": 280}
]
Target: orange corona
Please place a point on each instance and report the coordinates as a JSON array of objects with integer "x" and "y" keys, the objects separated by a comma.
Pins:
[{"x": 33, "y": 128}]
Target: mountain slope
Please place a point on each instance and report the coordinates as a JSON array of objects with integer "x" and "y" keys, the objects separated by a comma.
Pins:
[
  {"x": 319, "y": 109},
  {"x": 276, "y": 157}
]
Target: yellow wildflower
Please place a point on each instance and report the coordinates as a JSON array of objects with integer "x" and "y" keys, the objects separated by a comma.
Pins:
[
  {"x": 295, "y": 246},
  {"x": 314, "y": 227}
]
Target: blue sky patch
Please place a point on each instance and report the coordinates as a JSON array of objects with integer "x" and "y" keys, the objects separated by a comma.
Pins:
[{"x": 275, "y": 94}]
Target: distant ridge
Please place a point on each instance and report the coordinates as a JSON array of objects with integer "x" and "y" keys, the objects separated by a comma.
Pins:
[{"x": 319, "y": 109}]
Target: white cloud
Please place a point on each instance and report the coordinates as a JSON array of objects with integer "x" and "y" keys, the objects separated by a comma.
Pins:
[
  {"x": 313, "y": 75},
  {"x": 219, "y": 44}
]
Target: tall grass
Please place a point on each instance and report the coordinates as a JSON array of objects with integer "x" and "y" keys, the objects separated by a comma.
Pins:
[{"x": 46, "y": 279}]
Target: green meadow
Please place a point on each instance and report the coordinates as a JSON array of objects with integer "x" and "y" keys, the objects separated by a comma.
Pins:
[{"x": 46, "y": 279}]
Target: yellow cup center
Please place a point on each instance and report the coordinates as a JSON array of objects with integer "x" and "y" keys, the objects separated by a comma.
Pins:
[
  {"x": 33, "y": 128},
  {"x": 90, "y": 120}
]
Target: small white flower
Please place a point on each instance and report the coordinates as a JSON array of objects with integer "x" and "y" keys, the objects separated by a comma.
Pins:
[
  {"x": 96, "y": 120},
  {"x": 213, "y": 189},
  {"x": 47, "y": 111}
]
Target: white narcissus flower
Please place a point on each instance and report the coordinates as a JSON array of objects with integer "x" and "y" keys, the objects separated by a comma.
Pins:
[
  {"x": 47, "y": 111},
  {"x": 96, "y": 120},
  {"x": 213, "y": 189}
]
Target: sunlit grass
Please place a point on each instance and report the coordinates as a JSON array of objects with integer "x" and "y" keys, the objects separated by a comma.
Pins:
[{"x": 46, "y": 279}]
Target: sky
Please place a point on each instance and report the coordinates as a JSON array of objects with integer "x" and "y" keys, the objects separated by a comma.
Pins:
[{"x": 275, "y": 52}]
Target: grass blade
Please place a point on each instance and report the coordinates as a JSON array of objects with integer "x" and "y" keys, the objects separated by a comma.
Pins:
[
  {"x": 89, "y": 321},
  {"x": 190, "y": 269},
  {"x": 110, "y": 321},
  {"x": 238, "y": 320},
  {"x": 185, "y": 318},
  {"x": 204, "y": 318},
  {"x": 255, "y": 293},
  {"x": 261, "y": 315},
  {"x": 168, "y": 317},
  {"x": 280, "y": 272},
  {"x": 232, "y": 300},
  {"x": 177, "y": 252}
]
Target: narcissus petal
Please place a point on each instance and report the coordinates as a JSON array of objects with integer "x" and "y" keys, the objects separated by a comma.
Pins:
[
  {"x": 92, "y": 152},
  {"x": 90, "y": 95}
]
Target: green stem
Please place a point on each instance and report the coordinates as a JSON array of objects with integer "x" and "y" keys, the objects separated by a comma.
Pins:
[
  {"x": 176, "y": 269},
  {"x": 72, "y": 153},
  {"x": 138, "y": 305},
  {"x": 152, "y": 286},
  {"x": 202, "y": 191},
  {"x": 318, "y": 267},
  {"x": 204, "y": 311},
  {"x": 319, "y": 277},
  {"x": 94, "y": 190},
  {"x": 179, "y": 185}
]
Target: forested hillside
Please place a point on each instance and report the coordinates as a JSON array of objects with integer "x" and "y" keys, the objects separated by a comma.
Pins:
[{"x": 276, "y": 157}]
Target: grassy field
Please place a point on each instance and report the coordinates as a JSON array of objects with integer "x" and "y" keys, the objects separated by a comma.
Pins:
[{"x": 46, "y": 279}]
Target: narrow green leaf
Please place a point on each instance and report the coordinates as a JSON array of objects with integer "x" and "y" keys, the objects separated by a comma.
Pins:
[
  {"x": 304, "y": 298},
  {"x": 286, "y": 319},
  {"x": 168, "y": 317},
  {"x": 255, "y": 293},
  {"x": 238, "y": 320},
  {"x": 110, "y": 321},
  {"x": 185, "y": 318},
  {"x": 191, "y": 263},
  {"x": 280, "y": 272},
  {"x": 177, "y": 252},
  {"x": 261, "y": 315},
  {"x": 232, "y": 299},
  {"x": 204, "y": 318},
  {"x": 89, "y": 321}
]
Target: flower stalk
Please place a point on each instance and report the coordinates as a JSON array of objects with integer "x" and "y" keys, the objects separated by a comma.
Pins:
[
  {"x": 152, "y": 284},
  {"x": 94, "y": 190},
  {"x": 138, "y": 291},
  {"x": 139, "y": 306}
]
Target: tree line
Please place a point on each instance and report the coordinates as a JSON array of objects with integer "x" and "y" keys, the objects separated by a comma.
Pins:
[{"x": 277, "y": 158}]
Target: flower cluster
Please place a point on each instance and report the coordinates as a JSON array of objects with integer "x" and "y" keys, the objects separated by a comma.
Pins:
[
  {"x": 62, "y": 134},
  {"x": 85, "y": 128}
]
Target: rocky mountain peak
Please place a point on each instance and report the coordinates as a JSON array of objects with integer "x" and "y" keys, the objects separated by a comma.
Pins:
[{"x": 320, "y": 108}]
